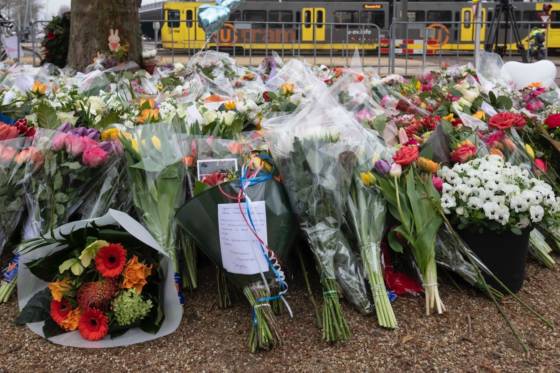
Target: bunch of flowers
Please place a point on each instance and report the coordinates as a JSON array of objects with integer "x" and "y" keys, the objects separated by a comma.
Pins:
[
  {"x": 96, "y": 287},
  {"x": 56, "y": 41},
  {"x": 489, "y": 193}
]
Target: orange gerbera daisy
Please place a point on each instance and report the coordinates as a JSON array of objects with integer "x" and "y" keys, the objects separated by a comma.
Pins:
[{"x": 59, "y": 289}]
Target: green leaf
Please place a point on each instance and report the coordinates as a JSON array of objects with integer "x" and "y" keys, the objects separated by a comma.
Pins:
[
  {"x": 71, "y": 165},
  {"x": 51, "y": 329},
  {"x": 46, "y": 116},
  {"x": 504, "y": 102},
  {"x": 394, "y": 242},
  {"x": 108, "y": 119},
  {"x": 61, "y": 197},
  {"x": 46, "y": 268},
  {"x": 37, "y": 309}
]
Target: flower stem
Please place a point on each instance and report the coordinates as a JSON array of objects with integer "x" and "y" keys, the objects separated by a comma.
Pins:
[{"x": 335, "y": 327}]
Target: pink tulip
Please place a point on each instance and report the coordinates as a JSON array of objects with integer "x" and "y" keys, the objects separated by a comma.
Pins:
[
  {"x": 94, "y": 156},
  {"x": 541, "y": 165},
  {"x": 438, "y": 183},
  {"x": 59, "y": 141},
  {"x": 76, "y": 145}
]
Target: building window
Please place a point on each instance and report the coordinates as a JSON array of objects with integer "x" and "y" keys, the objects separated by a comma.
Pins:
[
  {"x": 343, "y": 18},
  {"x": 173, "y": 18}
]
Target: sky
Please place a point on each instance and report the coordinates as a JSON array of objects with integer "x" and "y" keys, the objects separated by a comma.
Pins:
[{"x": 51, "y": 7}]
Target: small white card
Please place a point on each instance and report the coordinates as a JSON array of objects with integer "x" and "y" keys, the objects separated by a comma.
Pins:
[
  {"x": 488, "y": 109},
  {"x": 241, "y": 251}
]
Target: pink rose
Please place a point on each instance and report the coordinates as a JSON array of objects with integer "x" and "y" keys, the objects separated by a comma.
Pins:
[
  {"x": 94, "y": 156},
  {"x": 59, "y": 141},
  {"x": 76, "y": 145}
]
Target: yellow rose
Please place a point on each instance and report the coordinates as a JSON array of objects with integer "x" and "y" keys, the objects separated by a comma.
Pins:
[
  {"x": 287, "y": 89},
  {"x": 110, "y": 134},
  {"x": 39, "y": 88}
]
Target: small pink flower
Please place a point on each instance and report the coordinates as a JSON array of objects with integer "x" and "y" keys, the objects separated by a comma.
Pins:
[
  {"x": 74, "y": 145},
  {"x": 438, "y": 183},
  {"x": 58, "y": 141},
  {"x": 94, "y": 156},
  {"x": 541, "y": 165},
  {"x": 403, "y": 137}
]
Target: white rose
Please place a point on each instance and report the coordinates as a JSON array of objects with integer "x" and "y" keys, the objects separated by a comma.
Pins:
[
  {"x": 229, "y": 117},
  {"x": 210, "y": 116}
]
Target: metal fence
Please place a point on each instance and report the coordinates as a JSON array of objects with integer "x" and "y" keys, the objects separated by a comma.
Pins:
[{"x": 406, "y": 47}]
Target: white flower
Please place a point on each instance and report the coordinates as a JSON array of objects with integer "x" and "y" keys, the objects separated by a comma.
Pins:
[
  {"x": 448, "y": 201},
  {"x": 537, "y": 213},
  {"x": 96, "y": 105},
  {"x": 523, "y": 222},
  {"x": 210, "y": 116},
  {"x": 519, "y": 204},
  {"x": 474, "y": 203},
  {"x": 229, "y": 117},
  {"x": 491, "y": 210}
]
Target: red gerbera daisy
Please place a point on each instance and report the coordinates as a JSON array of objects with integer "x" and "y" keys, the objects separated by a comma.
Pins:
[
  {"x": 94, "y": 325},
  {"x": 110, "y": 260},
  {"x": 60, "y": 310}
]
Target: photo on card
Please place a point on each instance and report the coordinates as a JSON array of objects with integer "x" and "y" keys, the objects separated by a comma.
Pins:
[{"x": 208, "y": 167}]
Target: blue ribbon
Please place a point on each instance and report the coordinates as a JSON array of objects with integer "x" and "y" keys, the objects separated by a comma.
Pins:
[
  {"x": 178, "y": 283},
  {"x": 245, "y": 182},
  {"x": 6, "y": 119}
]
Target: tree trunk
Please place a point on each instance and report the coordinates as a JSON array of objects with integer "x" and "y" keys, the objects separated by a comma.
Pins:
[{"x": 91, "y": 22}]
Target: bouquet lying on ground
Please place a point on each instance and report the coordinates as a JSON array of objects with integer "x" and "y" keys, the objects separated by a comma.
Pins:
[
  {"x": 105, "y": 279},
  {"x": 156, "y": 172},
  {"x": 317, "y": 152}
]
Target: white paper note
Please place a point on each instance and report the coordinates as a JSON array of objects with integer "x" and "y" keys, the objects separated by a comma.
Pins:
[{"x": 241, "y": 252}]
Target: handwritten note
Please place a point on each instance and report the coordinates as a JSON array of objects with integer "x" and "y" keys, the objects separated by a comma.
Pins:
[{"x": 241, "y": 252}]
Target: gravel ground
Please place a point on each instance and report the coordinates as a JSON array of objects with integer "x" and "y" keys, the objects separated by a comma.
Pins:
[{"x": 471, "y": 336}]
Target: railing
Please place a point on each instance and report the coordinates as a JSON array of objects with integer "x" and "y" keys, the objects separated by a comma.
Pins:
[{"x": 406, "y": 47}]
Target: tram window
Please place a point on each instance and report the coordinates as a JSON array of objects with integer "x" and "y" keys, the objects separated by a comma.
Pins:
[
  {"x": 320, "y": 18},
  {"x": 467, "y": 19},
  {"x": 418, "y": 16},
  {"x": 439, "y": 15},
  {"x": 375, "y": 17},
  {"x": 189, "y": 18},
  {"x": 344, "y": 17},
  {"x": 173, "y": 18},
  {"x": 531, "y": 18},
  {"x": 307, "y": 15},
  {"x": 283, "y": 17},
  {"x": 236, "y": 16},
  {"x": 258, "y": 17},
  {"x": 555, "y": 19}
]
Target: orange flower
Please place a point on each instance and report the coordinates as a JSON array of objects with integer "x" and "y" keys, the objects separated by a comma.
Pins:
[
  {"x": 428, "y": 165},
  {"x": 188, "y": 161},
  {"x": 149, "y": 101},
  {"x": 496, "y": 151},
  {"x": 135, "y": 274},
  {"x": 148, "y": 115},
  {"x": 59, "y": 289},
  {"x": 71, "y": 321},
  {"x": 39, "y": 88}
]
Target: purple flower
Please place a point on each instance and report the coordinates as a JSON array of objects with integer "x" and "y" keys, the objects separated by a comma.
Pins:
[
  {"x": 65, "y": 127},
  {"x": 382, "y": 166},
  {"x": 92, "y": 133},
  {"x": 114, "y": 147}
]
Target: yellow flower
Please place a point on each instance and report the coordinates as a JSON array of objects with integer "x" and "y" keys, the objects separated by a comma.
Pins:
[
  {"x": 418, "y": 85},
  {"x": 135, "y": 274},
  {"x": 450, "y": 118},
  {"x": 287, "y": 89},
  {"x": 39, "y": 88},
  {"x": 367, "y": 178},
  {"x": 229, "y": 105},
  {"x": 71, "y": 321},
  {"x": 59, "y": 289},
  {"x": 530, "y": 151},
  {"x": 148, "y": 115},
  {"x": 134, "y": 144},
  {"x": 479, "y": 115},
  {"x": 148, "y": 103},
  {"x": 110, "y": 134},
  {"x": 156, "y": 142},
  {"x": 427, "y": 165}
]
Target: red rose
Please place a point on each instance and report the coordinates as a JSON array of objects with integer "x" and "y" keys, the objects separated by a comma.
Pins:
[
  {"x": 266, "y": 96},
  {"x": 51, "y": 36},
  {"x": 464, "y": 152},
  {"x": 406, "y": 155},
  {"x": 507, "y": 120},
  {"x": 553, "y": 121}
]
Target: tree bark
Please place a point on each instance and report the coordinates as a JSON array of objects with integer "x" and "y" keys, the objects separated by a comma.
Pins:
[{"x": 91, "y": 22}]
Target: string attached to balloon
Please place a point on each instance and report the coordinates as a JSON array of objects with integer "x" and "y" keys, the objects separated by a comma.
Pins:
[{"x": 213, "y": 17}]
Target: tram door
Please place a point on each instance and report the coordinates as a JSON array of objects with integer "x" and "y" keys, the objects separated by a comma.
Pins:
[
  {"x": 468, "y": 24},
  {"x": 313, "y": 24}
]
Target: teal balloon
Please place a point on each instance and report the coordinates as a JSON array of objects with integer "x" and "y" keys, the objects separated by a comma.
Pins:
[
  {"x": 231, "y": 4},
  {"x": 212, "y": 18}
]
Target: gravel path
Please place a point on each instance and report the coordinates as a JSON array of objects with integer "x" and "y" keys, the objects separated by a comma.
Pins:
[{"x": 470, "y": 337}]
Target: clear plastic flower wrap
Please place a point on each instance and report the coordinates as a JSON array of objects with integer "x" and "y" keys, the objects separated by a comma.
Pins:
[
  {"x": 12, "y": 189},
  {"x": 316, "y": 150},
  {"x": 70, "y": 166}
]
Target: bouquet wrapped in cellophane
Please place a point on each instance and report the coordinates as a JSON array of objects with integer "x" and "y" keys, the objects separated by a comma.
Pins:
[
  {"x": 317, "y": 151},
  {"x": 157, "y": 175},
  {"x": 98, "y": 283}
]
